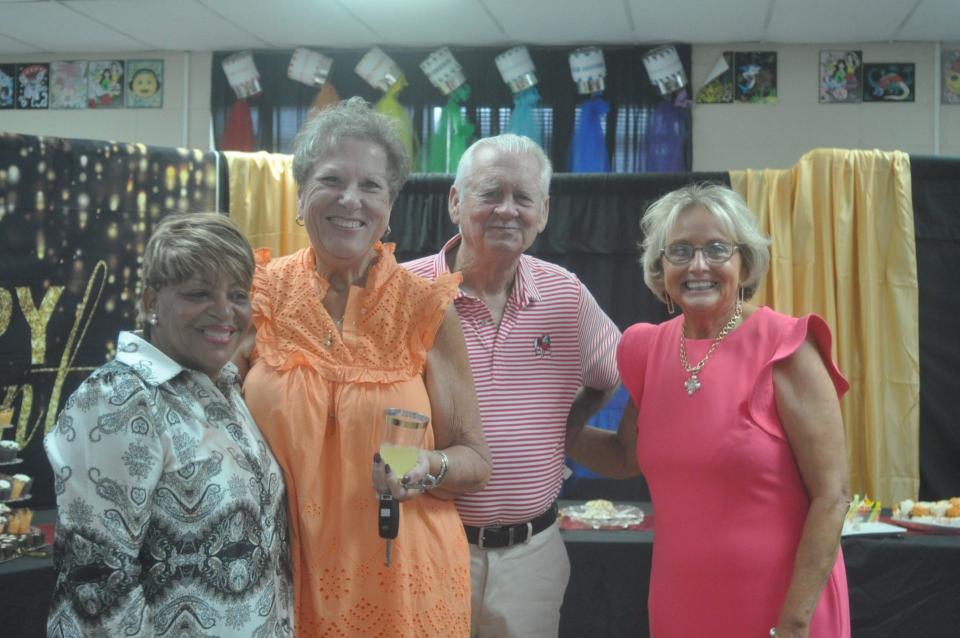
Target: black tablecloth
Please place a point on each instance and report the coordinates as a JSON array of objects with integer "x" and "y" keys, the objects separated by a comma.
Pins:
[{"x": 905, "y": 586}]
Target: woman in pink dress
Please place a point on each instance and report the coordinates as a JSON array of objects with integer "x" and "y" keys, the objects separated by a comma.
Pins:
[{"x": 738, "y": 433}]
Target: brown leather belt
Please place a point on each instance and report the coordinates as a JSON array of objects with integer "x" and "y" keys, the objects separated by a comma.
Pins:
[{"x": 500, "y": 536}]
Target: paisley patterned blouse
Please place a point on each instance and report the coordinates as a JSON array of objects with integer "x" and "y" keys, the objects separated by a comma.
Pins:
[{"x": 171, "y": 507}]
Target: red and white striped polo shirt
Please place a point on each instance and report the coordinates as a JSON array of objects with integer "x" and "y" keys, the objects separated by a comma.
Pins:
[{"x": 553, "y": 339}]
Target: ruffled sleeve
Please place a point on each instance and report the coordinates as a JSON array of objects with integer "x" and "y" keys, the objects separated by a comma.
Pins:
[
  {"x": 795, "y": 330},
  {"x": 429, "y": 317},
  {"x": 632, "y": 353},
  {"x": 261, "y": 303}
]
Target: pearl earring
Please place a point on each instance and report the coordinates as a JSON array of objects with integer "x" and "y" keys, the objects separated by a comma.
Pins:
[{"x": 153, "y": 319}]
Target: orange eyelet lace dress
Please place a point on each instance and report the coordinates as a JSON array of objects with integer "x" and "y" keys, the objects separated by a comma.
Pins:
[{"x": 319, "y": 397}]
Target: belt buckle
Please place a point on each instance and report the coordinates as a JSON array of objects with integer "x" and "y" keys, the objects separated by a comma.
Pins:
[
  {"x": 483, "y": 531},
  {"x": 529, "y": 525}
]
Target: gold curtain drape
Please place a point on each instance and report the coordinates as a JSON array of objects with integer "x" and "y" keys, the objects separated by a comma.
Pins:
[
  {"x": 841, "y": 223},
  {"x": 263, "y": 201}
]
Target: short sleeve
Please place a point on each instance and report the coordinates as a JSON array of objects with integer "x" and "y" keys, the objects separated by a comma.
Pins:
[
  {"x": 632, "y": 355},
  {"x": 794, "y": 333},
  {"x": 431, "y": 312},
  {"x": 597, "y": 337}
]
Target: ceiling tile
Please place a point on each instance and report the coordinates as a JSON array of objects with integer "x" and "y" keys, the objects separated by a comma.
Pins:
[
  {"x": 178, "y": 25},
  {"x": 427, "y": 22},
  {"x": 933, "y": 20},
  {"x": 292, "y": 23},
  {"x": 53, "y": 27},
  {"x": 695, "y": 21},
  {"x": 11, "y": 45},
  {"x": 563, "y": 21},
  {"x": 830, "y": 21}
]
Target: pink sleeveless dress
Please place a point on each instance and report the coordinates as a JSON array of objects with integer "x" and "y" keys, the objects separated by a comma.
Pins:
[{"x": 727, "y": 493}]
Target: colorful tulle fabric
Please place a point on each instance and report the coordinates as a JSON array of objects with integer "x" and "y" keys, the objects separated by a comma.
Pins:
[
  {"x": 453, "y": 134},
  {"x": 588, "y": 152},
  {"x": 523, "y": 120},
  {"x": 391, "y": 107}
]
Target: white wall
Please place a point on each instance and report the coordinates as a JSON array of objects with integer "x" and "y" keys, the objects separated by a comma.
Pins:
[
  {"x": 179, "y": 123},
  {"x": 725, "y": 136},
  {"x": 737, "y": 136}
]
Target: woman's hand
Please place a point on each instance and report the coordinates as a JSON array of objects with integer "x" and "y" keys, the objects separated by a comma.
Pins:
[{"x": 403, "y": 488}]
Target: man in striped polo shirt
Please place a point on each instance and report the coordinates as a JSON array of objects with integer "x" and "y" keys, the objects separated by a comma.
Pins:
[{"x": 542, "y": 355}]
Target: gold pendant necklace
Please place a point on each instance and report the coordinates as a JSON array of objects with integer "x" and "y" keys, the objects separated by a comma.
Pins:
[{"x": 692, "y": 384}]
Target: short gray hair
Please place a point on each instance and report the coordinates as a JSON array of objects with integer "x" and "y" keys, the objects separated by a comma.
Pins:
[
  {"x": 506, "y": 143},
  {"x": 728, "y": 208},
  {"x": 190, "y": 244},
  {"x": 353, "y": 119}
]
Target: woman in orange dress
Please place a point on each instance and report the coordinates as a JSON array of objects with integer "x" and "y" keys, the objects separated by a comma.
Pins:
[{"x": 343, "y": 333}]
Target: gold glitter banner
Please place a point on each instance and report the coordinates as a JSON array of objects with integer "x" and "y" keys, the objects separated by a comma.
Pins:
[{"x": 74, "y": 218}]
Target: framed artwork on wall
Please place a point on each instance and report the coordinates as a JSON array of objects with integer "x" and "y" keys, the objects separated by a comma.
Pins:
[
  {"x": 950, "y": 64},
  {"x": 68, "y": 84},
  {"x": 889, "y": 82},
  {"x": 105, "y": 84},
  {"x": 841, "y": 76},
  {"x": 8, "y": 86},
  {"x": 33, "y": 86},
  {"x": 755, "y": 76},
  {"x": 718, "y": 87},
  {"x": 145, "y": 84}
]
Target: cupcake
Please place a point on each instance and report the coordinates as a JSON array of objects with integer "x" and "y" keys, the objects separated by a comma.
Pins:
[
  {"x": 21, "y": 486},
  {"x": 8, "y": 451},
  {"x": 6, "y": 417},
  {"x": 5, "y": 488}
]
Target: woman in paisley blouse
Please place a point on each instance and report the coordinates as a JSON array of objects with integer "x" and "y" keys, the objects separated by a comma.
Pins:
[
  {"x": 344, "y": 332},
  {"x": 172, "y": 518}
]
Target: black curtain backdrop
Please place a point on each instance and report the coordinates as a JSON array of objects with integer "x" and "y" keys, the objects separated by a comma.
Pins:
[
  {"x": 936, "y": 215},
  {"x": 593, "y": 230},
  {"x": 628, "y": 90}
]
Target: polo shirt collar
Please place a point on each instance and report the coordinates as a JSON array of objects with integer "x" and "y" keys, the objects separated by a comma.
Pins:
[{"x": 524, "y": 287}]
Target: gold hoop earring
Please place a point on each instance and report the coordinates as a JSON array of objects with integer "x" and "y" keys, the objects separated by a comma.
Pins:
[{"x": 299, "y": 221}]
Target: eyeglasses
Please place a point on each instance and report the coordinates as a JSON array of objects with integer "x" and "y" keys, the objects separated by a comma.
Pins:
[{"x": 682, "y": 253}]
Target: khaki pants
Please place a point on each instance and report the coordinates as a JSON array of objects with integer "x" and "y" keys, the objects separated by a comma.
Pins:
[{"x": 517, "y": 591}]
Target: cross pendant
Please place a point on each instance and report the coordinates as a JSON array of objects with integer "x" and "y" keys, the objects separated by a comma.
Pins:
[{"x": 692, "y": 384}]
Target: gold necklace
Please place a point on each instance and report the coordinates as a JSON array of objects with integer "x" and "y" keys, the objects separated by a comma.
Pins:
[{"x": 692, "y": 384}]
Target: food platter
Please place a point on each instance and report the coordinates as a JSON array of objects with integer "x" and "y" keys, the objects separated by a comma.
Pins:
[
  {"x": 876, "y": 528},
  {"x": 927, "y": 527},
  {"x": 605, "y": 516}
]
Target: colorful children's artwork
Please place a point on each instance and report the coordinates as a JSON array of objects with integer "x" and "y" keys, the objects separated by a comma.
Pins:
[
  {"x": 951, "y": 77},
  {"x": 33, "y": 86},
  {"x": 8, "y": 85},
  {"x": 145, "y": 84},
  {"x": 718, "y": 88},
  {"x": 889, "y": 82},
  {"x": 841, "y": 76},
  {"x": 755, "y": 76},
  {"x": 68, "y": 84},
  {"x": 105, "y": 84}
]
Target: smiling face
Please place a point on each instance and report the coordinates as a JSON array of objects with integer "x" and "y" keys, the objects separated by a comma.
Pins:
[
  {"x": 698, "y": 287},
  {"x": 345, "y": 203},
  {"x": 144, "y": 84},
  {"x": 199, "y": 321},
  {"x": 501, "y": 209}
]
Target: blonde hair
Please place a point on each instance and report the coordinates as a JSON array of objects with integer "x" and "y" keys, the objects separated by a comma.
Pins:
[
  {"x": 185, "y": 245},
  {"x": 738, "y": 221}
]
